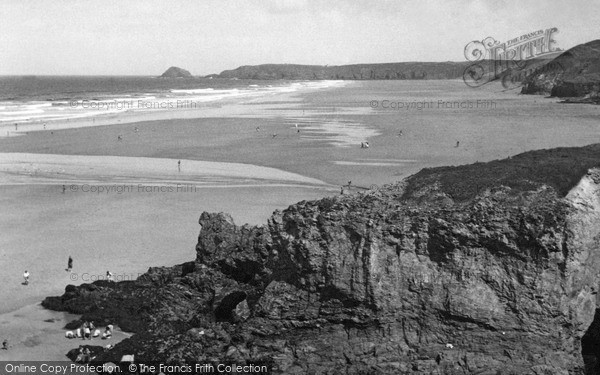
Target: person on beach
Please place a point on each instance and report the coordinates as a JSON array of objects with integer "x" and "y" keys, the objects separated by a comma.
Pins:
[
  {"x": 92, "y": 327},
  {"x": 5, "y": 344},
  {"x": 119, "y": 138},
  {"x": 64, "y": 189},
  {"x": 87, "y": 355},
  {"x": 258, "y": 128},
  {"x": 69, "y": 262},
  {"x": 26, "y": 277},
  {"x": 457, "y": 144},
  {"x": 179, "y": 165},
  {"x": 107, "y": 332},
  {"x": 86, "y": 331},
  {"x": 109, "y": 276}
]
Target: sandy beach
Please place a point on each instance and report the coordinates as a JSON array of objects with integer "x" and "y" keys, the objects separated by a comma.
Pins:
[
  {"x": 247, "y": 159},
  {"x": 24, "y": 168},
  {"x": 34, "y": 333}
]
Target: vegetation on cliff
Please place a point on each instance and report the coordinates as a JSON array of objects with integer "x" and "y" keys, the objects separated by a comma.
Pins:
[
  {"x": 406, "y": 70},
  {"x": 574, "y": 73}
]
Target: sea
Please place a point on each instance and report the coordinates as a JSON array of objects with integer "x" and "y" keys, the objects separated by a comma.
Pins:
[{"x": 26, "y": 99}]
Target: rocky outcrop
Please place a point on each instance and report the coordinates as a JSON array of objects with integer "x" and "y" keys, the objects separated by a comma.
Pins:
[
  {"x": 175, "y": 72},
  {"x": 415, "y": 278},
  {"x": 395, "y": 71},
  {"x": 574, "y": 73}
]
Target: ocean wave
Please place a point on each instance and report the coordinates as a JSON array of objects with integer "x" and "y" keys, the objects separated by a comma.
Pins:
[{"x": 63, "y": 107}]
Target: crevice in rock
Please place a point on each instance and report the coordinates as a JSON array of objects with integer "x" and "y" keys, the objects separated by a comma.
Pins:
[
  {"x": 590, "y": 346},
  {"x": 225, "y": 309}
]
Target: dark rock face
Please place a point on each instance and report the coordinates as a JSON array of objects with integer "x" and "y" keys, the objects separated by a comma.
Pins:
[
  {"x": 175, "y": 72},
  {"x": 404, "y": 280},
  {"x": 575, "y": 73}
]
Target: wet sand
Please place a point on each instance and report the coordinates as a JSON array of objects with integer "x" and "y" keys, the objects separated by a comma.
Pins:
[{"x": 45, "y": 226}]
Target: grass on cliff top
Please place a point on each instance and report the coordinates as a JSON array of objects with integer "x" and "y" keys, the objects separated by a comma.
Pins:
[{"x": 560, "y": 168}]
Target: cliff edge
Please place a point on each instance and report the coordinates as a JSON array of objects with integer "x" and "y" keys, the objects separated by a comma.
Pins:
[
  {"x": 574, "y": 73},
  {"x": 489, "y": 268}
]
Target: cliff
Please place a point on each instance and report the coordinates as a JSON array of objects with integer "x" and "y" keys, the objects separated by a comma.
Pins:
[
  {"x": 406, "y": 70},
  {"x": 574, "y": 73},
  {"x": 489, "y": 268},
  {"x": 175, "y": 72}
]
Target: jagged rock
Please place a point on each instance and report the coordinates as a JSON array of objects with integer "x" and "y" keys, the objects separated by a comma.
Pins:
[{"x": 417, "y": 278}]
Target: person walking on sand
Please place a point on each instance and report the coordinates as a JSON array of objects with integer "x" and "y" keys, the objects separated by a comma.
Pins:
[
  {"x": 69, "y": 264},
  {"x": 5, "y": 344},
  {"x": 179, "y": 165},
  {"x": 457, "y": 144},
  {"x": 109, "y": 276},
  {"x": 64, "y": 189},
  {"x": 26, "y": 277}
]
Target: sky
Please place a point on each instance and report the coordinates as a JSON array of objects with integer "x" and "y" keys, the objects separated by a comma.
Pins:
[{"x": 79, "y": 37}]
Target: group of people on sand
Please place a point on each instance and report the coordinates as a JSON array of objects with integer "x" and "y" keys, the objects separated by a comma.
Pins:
[{"x": 89, "y": 331}]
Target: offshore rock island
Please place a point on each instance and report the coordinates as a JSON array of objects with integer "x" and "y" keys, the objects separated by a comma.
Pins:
[
  {"x": 488, "y": 268},
  {"x": 175, "y": 72}
]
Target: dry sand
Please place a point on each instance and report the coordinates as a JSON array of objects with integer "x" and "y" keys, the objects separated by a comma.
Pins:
[
  {"x": 42, "y": 226},
  {"x": 34, "y": 333}
]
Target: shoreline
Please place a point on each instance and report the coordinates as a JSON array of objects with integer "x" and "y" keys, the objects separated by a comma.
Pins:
[{"x": 233, "y": 101}]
